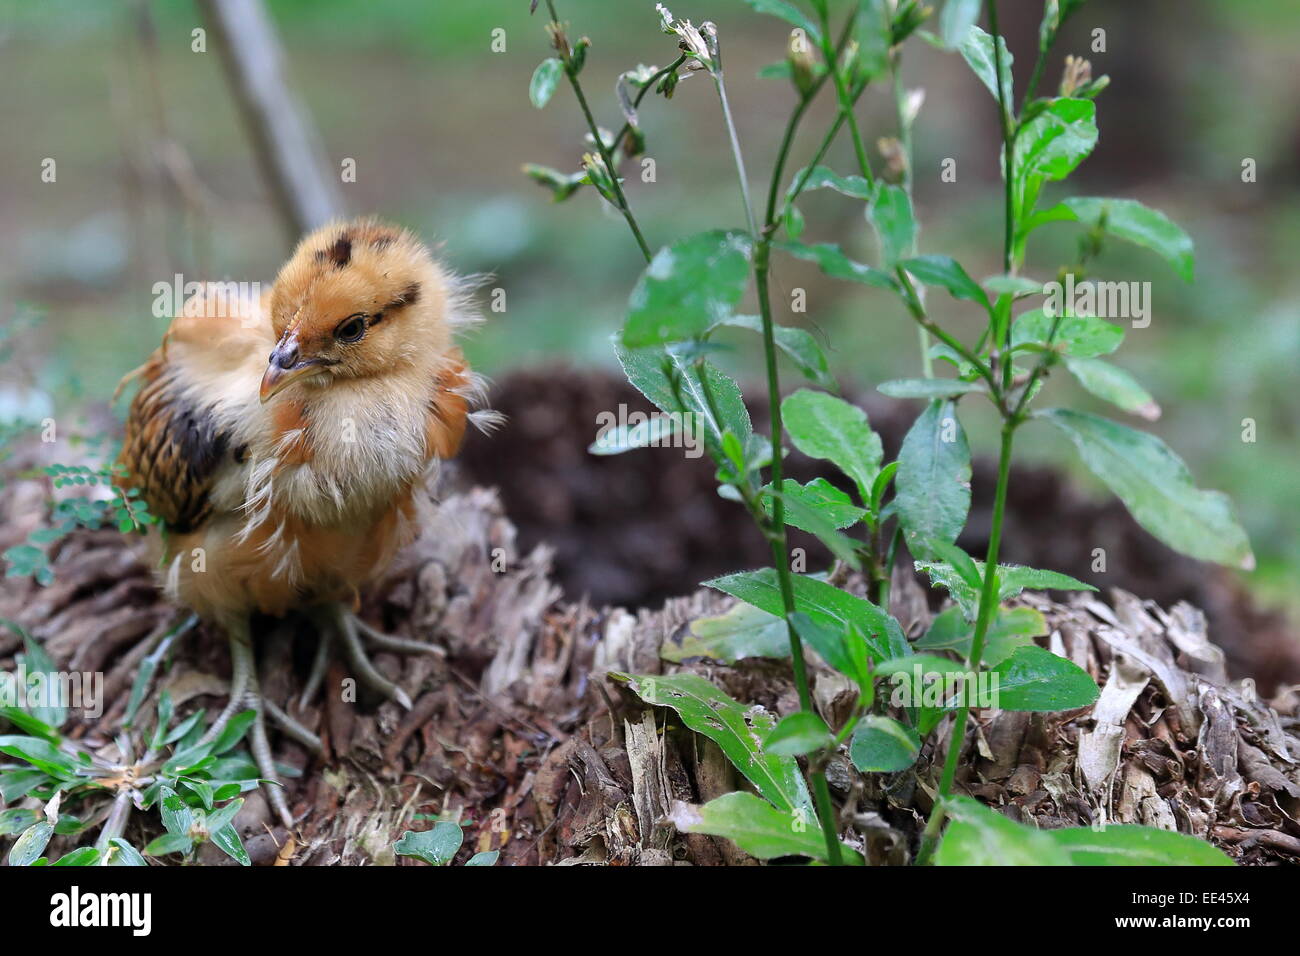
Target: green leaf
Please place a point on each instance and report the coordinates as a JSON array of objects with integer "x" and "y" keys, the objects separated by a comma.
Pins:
[
  {"x": 81, "y": 856},
  {"x": 1012, "y": 579},
  {"x": 220, "y": 818},
  {"x": 177, "y": 816},
  {"x": 1050, "y": 147},
  {"x": 873, "y": 31},
  {"x": 1011, "y": 629},
  {"x": 25, "y": 721},
  {"x": 883, "y": 745},
  {"x": 234, "y": 731},
  {"x": 689, "y": 286},
  {"x": 794, "y": 222},
  {"x": 1059, "y": 138},
  {"x": 1015, "y": 286},
  {"x": 18, "y": 783},
  {"x": 737, "y": 728},
  {"x": 41, "y": 754},
  {"x": 979, "y": 836},
  {"x": 226, "y": 839},
  {"x": 31, "y": 844},
  {"x": 201, "y": 789},
  {"x": 486, "y": 858},
  {"x": 1157, "y": 488},
  {"x": 1115, "y": 385},
  {"x": 645, "y": 369},
  {"x": 798, "y": 344},
  {"x": 977, "y": 50},
  {"x": 821, "y": 177},
  {"x": 169, "y": 843},
  {"x": 881, "y": 485},
  {"x": 122, "y": 853},
  {"x": 52, "y": 711},
  {"x": 932, "y": 489},
  {"x": 187, "y": 759},
  {"x": 653, "y": 432},
  {"x": 927, "y": 388},
  {"x": 545, "y": 78},
  {"x": 959, "y": 561},
  {"x": 826, "y": 604},
  {"x": 820, "y": 496},
  {"x": 226, "y": 791},
  {"x": 183, "y": 728},
  {"x": 1131, "y": 221},
  {"x": 823, "y": 426},
  {"x": 834, "y": 263},
  {"x": 927, "y": 665},
  {"x": 743, "y": 631},
  {"x": 1037, "y": 680},
  {"x": 756, "y": 827},
  {"x": 1083, "y": 336},
  {"x": 18, "y": 819},
  {"x": 790, "y": 14},
  {"x": 946, "y": 272},
  {"x": 437, "y": 846},
  {"x": 811, "y": 509},
  {"x": 891, "y": 215},
  {"x": 955, "y": 21},
  {"x": 1124, "y": 845},
  {"x": 797, "y": 734},
  {"x": 839, "y": 647}
]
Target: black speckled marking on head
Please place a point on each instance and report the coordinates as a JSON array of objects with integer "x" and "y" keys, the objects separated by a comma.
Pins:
[
  {"x": 407, "y": 296},
  {"x": 382, "y": 241},
  {"x": 339, "y": 254}
]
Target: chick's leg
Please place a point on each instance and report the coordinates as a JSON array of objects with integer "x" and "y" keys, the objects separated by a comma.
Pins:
[
  {"x": 352, "y": 634},
  {"x": 246, "y": 694}
]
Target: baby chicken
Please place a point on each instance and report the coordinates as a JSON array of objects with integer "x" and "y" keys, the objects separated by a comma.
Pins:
[{"x": 284, "y": 443}]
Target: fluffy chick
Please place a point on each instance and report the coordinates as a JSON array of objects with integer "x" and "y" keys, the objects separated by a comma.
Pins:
[{"x": 283, "y": 441}]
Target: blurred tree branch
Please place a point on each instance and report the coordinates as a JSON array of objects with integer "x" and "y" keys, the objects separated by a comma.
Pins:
[{"x": 288, "y": 147}]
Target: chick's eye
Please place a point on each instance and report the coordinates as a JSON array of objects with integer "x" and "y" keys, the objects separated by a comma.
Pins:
[{"x": 351, "y": 329}]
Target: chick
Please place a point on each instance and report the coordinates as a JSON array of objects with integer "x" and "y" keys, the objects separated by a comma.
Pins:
[{"x": 284, "y": 442}]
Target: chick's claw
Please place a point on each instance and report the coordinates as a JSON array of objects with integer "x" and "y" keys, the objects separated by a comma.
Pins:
[{"x": 337, "y": 623}]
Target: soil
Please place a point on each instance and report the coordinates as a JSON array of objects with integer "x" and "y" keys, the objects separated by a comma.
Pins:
[{"x": 638, "y": 528}]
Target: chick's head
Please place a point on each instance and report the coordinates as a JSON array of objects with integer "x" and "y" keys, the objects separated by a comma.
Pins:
[{"x": 355, "y": 300}]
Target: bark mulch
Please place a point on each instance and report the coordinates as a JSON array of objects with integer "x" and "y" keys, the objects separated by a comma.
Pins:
[{"x": 517, "y": 729}]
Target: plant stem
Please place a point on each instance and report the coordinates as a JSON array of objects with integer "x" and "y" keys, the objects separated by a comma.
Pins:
[
  {"x": 988, "y": 603},
  {"x": 1035, "y": 77},
  {"x": 905, "y": 144},
  {"x": 780, "y": 547},
  {"x": 115, "y": 824},
  {"x": 918, "y": 312},
  {"x": 736, "y": 153},
  {"x": 787, "y": 140},
  {"x": 605, "y": 154},
  {"x": 1005, "y": 119},
  {"x": 797, "y": 189},
  {"x": 780, "y": 554},
  {"x": 777, "y": 530}
]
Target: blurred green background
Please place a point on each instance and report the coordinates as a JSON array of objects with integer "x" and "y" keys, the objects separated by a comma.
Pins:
[{"x": 156, "y": 176}]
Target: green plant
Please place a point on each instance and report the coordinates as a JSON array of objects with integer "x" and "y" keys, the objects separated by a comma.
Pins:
[
  {"x": 191, "y": 778},
  {"x": 439, "y": 845},
  {"x": 689, "y": 294},
  {"x": 122, "y": 508}
]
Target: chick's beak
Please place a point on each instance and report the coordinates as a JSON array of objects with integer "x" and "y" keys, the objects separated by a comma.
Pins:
[{"x": 285, "y": 367}]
